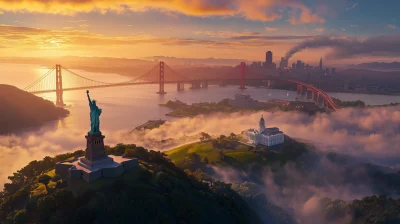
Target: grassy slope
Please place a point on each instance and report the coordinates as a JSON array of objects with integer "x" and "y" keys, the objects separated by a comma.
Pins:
[{"x": 240, "y": 156}]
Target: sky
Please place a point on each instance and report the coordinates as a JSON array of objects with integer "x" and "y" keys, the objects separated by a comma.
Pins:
[{"x": 237, "y": 29}]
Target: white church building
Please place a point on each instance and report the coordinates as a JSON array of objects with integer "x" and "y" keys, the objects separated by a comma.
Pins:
[{"x": 265, "y": 136}]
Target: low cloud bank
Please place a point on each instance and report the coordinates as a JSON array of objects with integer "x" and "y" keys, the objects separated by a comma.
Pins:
[{"x": 370, "y": 133}]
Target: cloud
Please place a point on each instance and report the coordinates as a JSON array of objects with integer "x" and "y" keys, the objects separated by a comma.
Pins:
[
  {"x": 32, "y": 37},
  {"x": 70, "y": 38},
  {"x": 352, "y": 6},
  {"x": 264, "y": 10},
  {"x": 270, "y": 29},
  {"x": 77, "y": 21},
  {"x": 260, "y": 37},
  {"x": 226, "y": 33},
  {"x": 348, "y": 47},
  {"x": 299, "y": 191},
  {"x": 391, "y": 26},
  {"x": 366, "y": 133},
  {"x": 321, "y": 29}
]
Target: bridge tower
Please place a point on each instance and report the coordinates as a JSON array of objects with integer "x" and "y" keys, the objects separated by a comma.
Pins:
[
  {"x": 242, "y": 70},
  {"x": 161, "y": 89},
  {"x": 59, "y": 87}
]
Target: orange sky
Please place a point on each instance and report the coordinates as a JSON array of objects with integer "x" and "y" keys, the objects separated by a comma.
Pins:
[{"x": 178, "y": 28}]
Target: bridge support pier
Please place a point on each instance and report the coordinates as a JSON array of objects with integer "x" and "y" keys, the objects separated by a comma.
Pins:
[
  {"x": 59, "y": 87},
  {"x": 300, "y": 90},
  {"x": 161, "y": 79},
  {"x": 204, "y": 84},
  {"x": 196, "y": 84},
  {"x": 180, "y": 86},
  {"x": 242, "y": 71},
  {"x": 315, "y": 96},
  {"x": 309, "y": 94},
  {"x": 269, "y": 84}
]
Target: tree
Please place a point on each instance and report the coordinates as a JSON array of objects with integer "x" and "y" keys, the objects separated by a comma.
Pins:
[
  {"x": 204, "y": 136},
  {"x": 44, "y": 179},
  {"x": 46, "y": 206},
  {"x": 20, "y": 217},
  {"x": 194, "y": 157},
  {"x": 138, "y": 152},
  {"x": 221, "y": 155},
  {"x": 205, "y": 160}
]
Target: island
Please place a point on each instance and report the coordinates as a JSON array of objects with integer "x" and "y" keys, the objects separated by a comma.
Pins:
[
  {"x": 229, "y": 151},
  {"x": 241, "y": 103},
  {"x": 149, "y": 125},
  {"x": 244, "y": 103},
  {"x": 359, "y": 104},
  {"x": 20, "y": 109}
]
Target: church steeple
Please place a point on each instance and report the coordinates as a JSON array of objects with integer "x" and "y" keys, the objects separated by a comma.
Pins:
[{"x": 262, "y": 124}]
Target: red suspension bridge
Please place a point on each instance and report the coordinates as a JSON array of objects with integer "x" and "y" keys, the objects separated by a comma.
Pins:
[{"x": 66, "y": 80}]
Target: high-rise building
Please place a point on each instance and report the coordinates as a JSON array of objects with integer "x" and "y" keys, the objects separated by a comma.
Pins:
[
  {"x": 333, "y": 71},
  {"x": 293, "y": 66},
  {"x": 320, "y": 64},
  {"x": 268, "y": 58},
  {"x": 299, "y": 64},
  {"x": 327, "y": 71}
]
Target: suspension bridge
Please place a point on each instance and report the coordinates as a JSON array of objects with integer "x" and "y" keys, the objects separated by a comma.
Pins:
[{"x": 64, "y": 79}]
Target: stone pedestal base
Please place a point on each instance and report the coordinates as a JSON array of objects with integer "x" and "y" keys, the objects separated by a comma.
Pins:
[
  {"x": 96, "y": 164},
  {"x": 76, "y": 169},
  {"x": 93, "y": 163}
]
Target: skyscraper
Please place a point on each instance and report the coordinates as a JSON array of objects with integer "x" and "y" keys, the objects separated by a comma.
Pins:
[
  {"x": 320, "y": 64},
  {"x": 299, "y": 64},
  {"x": 268, "y": 58}
]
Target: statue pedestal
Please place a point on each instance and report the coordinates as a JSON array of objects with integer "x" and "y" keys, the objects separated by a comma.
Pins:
[
  {"x": 96, "y": 163},
  {"x": 95, "y": 147},
  {"x": 95, "y": 151}
]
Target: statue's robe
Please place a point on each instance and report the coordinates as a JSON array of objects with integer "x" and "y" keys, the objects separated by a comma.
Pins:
[{"x": 94, "y": 118}]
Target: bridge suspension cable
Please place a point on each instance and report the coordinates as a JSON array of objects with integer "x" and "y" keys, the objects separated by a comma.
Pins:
[
  {"x": 140, "y": 78},
  {"x": 84, "y": 78},
  {"x": 37, "y": 85},
  {"x": 168, "y": 68}
]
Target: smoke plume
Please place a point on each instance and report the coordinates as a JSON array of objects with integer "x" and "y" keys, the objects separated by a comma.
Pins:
[{"x": 348, "y": 47}]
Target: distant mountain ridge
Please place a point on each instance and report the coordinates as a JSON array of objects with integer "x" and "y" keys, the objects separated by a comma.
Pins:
[{"x": 379, "y": 66}]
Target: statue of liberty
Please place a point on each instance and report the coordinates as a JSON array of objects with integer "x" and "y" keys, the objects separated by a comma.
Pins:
[{"x": 95, "y": 112}]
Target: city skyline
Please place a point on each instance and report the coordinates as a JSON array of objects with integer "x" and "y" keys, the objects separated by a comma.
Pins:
[{"x": 229, "y": 29}]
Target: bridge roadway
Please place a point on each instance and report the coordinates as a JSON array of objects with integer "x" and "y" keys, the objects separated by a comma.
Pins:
[{"x": 326, "y": 97}]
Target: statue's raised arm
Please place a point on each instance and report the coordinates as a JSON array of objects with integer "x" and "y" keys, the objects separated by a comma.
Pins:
[{"x": 90, "y": 102}]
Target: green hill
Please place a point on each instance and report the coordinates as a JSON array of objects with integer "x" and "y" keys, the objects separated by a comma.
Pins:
[
  {"x": 227, "y": 151},
  {"x": 20, "y": 109},
  {"x": 156, "y": 192}
]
